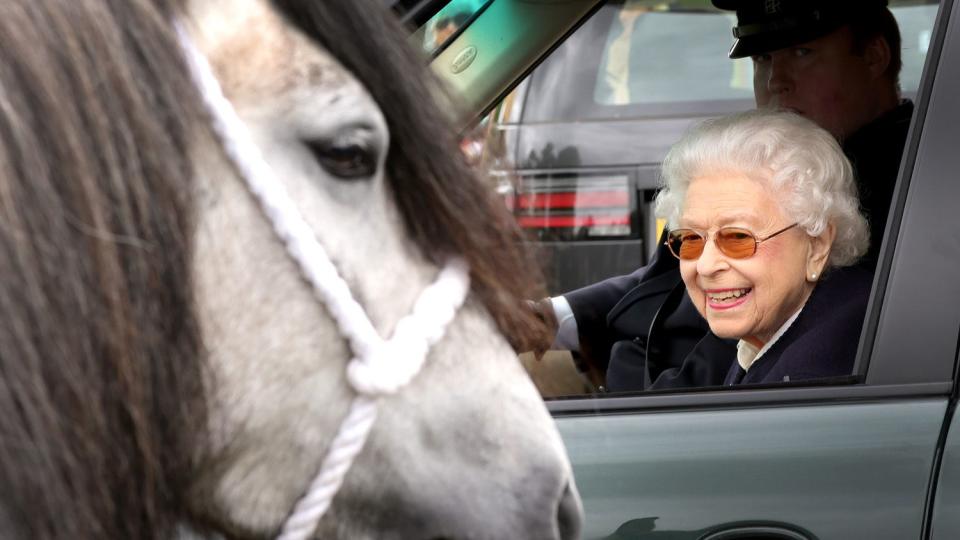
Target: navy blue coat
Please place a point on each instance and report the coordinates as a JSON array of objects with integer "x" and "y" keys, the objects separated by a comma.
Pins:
[
  {"x": 661, "y": 355},
  {"x": 599, "y": 308},
  {"x": 822, "y": 341}
]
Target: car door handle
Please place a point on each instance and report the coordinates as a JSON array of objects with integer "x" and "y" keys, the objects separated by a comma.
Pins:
[{"x": 756, "y": 532}]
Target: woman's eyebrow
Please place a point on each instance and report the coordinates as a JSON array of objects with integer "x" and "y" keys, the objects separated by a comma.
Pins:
[
  {"x": 722, "y": 220},
  {"x": 749, "y": 217}
]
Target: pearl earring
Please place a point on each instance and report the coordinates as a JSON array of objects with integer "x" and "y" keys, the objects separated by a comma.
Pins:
[{"x": 813, "y": 276}]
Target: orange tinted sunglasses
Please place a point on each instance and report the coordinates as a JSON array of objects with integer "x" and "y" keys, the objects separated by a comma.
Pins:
[{"x": 734, "y": 242}]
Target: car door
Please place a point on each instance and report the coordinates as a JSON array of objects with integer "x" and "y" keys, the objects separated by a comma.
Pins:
[
  {"x": 937, "y": 159},
  {"x": 858, "y": 460}
]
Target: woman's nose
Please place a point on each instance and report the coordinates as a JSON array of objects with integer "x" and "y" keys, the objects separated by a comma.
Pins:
[{"x": 712, "y": 260}]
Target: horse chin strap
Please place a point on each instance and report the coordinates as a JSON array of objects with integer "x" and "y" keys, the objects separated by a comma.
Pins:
[{"x": 380, "y": 367}]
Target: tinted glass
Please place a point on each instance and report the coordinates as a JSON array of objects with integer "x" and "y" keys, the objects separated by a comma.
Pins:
[
  {"x": 664, "y": 56},
  {"x": 638, "y": 57}
]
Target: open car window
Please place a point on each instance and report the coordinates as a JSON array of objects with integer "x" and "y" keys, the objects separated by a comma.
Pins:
[{"x": 575, "y": 150}]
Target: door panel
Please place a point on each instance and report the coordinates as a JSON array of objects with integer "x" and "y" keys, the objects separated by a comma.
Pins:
[{"x": 855, "y": 470}]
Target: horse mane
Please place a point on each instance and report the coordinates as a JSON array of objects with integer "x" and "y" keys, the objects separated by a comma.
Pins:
[
  {"x": 446, "y": 208},
  {"x": 101, "y": 360},
  {"x": 101, "y": 373}
]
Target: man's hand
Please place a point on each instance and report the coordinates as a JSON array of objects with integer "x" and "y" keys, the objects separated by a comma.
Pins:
[{"x": 543, "y": 309}]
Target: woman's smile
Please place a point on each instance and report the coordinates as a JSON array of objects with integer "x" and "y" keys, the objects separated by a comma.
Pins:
[{"x": 723, "y": 299}]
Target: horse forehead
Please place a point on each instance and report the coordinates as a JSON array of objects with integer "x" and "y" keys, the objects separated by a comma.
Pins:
[{"x": 256, "y": 53}]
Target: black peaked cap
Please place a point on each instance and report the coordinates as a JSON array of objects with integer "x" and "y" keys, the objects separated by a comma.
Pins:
[{"x": 769, "y": 25}]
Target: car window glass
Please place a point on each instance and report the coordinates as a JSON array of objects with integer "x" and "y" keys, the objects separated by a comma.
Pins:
[
  {"x": 916, "y": 28},
  {"x": 663, "y": 56},
  {"x": 648, "y": 57},
  {"x": 683, "y": 47}
]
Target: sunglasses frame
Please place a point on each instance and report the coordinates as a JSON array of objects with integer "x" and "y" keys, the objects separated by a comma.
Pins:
[{"x": 757, "y": 241}]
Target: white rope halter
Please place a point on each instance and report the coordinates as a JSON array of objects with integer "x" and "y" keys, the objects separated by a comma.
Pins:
[{"x": 380, "y": 367}]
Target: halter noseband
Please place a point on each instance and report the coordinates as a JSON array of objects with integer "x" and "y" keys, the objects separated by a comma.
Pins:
[{"x": 379, "y": 367}]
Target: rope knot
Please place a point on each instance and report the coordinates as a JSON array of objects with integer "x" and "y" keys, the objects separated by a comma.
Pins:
[
  {"x": 386, "y": 366},
  {"x": 389, "y": 365}
]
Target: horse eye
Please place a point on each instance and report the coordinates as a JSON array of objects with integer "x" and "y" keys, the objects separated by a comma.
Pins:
[{"x": 347, "y": 156}]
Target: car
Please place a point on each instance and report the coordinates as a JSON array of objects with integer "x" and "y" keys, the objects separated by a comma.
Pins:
[{"x": 873, "y": 456}]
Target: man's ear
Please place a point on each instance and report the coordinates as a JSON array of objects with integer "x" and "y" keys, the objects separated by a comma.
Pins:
[
  {"x": 877, "y": 55},
  {"x": 820, "y": 252}
]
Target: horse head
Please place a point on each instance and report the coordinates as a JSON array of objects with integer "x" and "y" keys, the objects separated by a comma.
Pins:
[{"x": 203, "y": 383}]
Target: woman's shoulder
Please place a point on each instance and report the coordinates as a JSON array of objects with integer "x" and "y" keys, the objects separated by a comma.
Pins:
[{"x": 823, "y": 340}]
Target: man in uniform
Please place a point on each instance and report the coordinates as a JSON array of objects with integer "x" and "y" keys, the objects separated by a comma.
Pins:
[{"x": 836, "y": 62}]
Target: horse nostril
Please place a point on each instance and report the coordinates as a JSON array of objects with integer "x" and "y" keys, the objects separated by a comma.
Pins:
[{"x": 569, "y": 514}]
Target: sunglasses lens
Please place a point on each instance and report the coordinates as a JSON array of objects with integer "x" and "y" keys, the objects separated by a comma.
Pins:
[
  {"x": 736, "y": 243},
  {"x": 686, "y": 244}
]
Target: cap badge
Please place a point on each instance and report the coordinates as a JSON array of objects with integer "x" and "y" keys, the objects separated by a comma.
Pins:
[{"x": 771, "y": 6}]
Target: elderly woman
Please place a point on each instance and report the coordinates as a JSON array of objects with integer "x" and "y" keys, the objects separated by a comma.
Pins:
[{"x": 763, "y": 215}]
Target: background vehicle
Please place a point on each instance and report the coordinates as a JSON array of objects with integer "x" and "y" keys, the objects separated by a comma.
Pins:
[{"x": 875, "y": 458}]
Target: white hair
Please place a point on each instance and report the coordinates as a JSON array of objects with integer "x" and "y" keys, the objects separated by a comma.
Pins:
[{"x": 800, "y": 162}]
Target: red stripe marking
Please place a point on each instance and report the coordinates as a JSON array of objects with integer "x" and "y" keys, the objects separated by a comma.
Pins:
[
  {"x": 555, "y": 222},
  {"x": 581, "y": 199}
]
